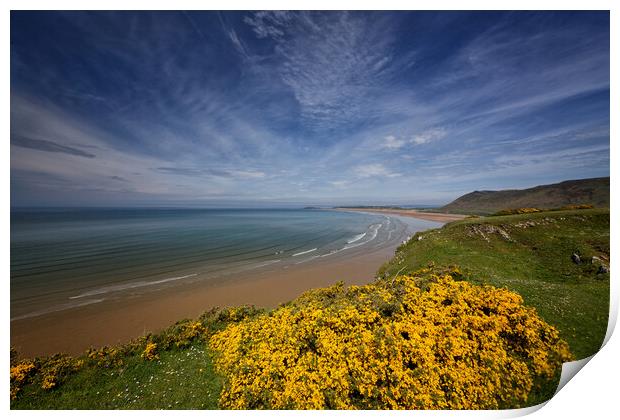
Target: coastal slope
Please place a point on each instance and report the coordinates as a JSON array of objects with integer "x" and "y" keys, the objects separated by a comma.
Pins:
[
  {"x": 558, "y": 261},
  {"x": 593, "y": 191}
]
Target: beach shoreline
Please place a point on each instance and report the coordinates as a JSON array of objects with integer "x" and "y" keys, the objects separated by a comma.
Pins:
[{"x": 416, "y": 214}]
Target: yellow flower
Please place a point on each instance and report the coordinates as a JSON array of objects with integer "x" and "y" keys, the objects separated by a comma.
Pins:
[
  {"x": 423, "y": 341},
  {"x": 48, "y": 382},
  {"x": 21, "y": 371},
  {"x": 150, "y": 352},
  {"x": 19, "y": 376}
]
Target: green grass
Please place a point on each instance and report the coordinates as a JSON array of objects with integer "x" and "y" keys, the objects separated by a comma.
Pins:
[
  {"x": 534, "y": 261},
  {"x": 533, "y": 258},
  {"x": 180, "y": 379}
]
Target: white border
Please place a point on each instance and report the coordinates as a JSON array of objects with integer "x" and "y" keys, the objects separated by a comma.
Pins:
[{"x": 591, "y": 394}]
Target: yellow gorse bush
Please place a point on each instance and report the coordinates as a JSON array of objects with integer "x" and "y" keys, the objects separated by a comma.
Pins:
[
  {"x": 106, "y": 356},
  {"x": 524, "y": 210},
  {"x": 49, "y": 372},
  {"x": 577, "y": 207},
  {"x": 19, "y": 374},
  {"x": 21, "y": 371},
  {"x": 56, "y": 368},
  {"x": 150, "y": 352},
  {"x": 423, "y": 341}
]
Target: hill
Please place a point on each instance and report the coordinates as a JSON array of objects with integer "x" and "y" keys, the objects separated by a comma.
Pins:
[{"x": 594, "y": 191}]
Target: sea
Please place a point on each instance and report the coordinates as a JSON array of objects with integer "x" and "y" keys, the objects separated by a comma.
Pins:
[{"x": 65, "y": 258}]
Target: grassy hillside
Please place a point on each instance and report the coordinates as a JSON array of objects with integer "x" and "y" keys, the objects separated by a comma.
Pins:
[
  {"x": 179, "y": 379},
  {"x": 594, "y": 191},
  {"x": 529, "y": 254}
]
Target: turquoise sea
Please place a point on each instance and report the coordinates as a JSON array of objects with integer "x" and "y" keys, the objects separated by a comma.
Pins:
[{"x": 63, "y": 258}]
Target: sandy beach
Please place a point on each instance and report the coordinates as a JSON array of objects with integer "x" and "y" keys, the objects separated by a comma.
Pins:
[
  {"x": 434, "y": 217},
  {"x": 74, "y": 330}
]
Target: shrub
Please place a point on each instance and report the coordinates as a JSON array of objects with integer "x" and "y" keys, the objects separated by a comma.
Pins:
[
  {"x": 180, "y": 335},
  {"x": 106, "y": 356},
  {"x": 524, "y": 210},
  {"x": 421, "y": 341},
  {"x": 150, "y": 352},
  {"x": 577, "y": 207},
  {"x": 236, "y": 314},
  {"x": 49, "y": 372},
  {"x": 55, "y": 369},
  {"x": 19, "y": 376}
]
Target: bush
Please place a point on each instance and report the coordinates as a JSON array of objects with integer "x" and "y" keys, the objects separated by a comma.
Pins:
[
  {"x": 48, "y": 372},
  {"x": 55, "y": 369},
  {"x": 524, "y": 210},
  {"x": 577, "y": 207},
  {"x": 180, "y": 335},
  {"x": 420, "y": 341},
  {"x": 19, "y": 376},
  {"x": 150, "y": 352},
  {"x": 106, "y": 356}
]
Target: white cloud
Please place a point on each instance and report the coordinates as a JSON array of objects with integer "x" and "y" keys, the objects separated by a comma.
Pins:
[
  {"x": 391, "y": 142},
  {"x": 332, "y": 62},
  {"x": 428, "y": 136},
  {"x": 340, "y": 184},
  {"x": 248, "y": 174},
  {"x": 374, "y": 170},
  {"x": 100, "y": 165},
  {"x": 269, "y": 23}
]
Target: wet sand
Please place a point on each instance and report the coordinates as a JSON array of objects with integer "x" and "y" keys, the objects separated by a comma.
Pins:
[
  {"x": 434, "y": 217},
  {"x": 74, "y": 330}
]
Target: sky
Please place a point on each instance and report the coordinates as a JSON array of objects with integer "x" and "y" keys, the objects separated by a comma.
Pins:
[{"x": 254, "y": 109}]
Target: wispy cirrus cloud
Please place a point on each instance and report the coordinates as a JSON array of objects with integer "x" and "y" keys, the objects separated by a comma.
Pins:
[
  {"x": 374, "y": 170},
  {"x": 207, "y": 172},
  {"x": 270, "y": 24},
  {"x": 391, "y": 142},
  {"x": 334, "y": 63},
  {"x": 424, "y": 137},
  {"x": 47, "y": 146},
  {"x": 293, "y": 106},
  {"x": 428, "y": 136}
]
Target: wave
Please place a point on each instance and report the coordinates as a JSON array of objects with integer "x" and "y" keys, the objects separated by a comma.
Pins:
[
  {"x": 374, "y": 229},
  {"x": 126, "y": 286},
  {"x": 57, "y": 308},
  {"x": 356, "y": 238},
  {"x": 266, "y": 263},
  {"x": 335, "y": 251},
  {"x": 308, "y": 259},
  {"x": 305, "y": 252}
]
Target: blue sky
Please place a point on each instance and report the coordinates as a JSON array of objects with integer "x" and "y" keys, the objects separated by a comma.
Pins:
[{"x": 263, "y": 108}]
